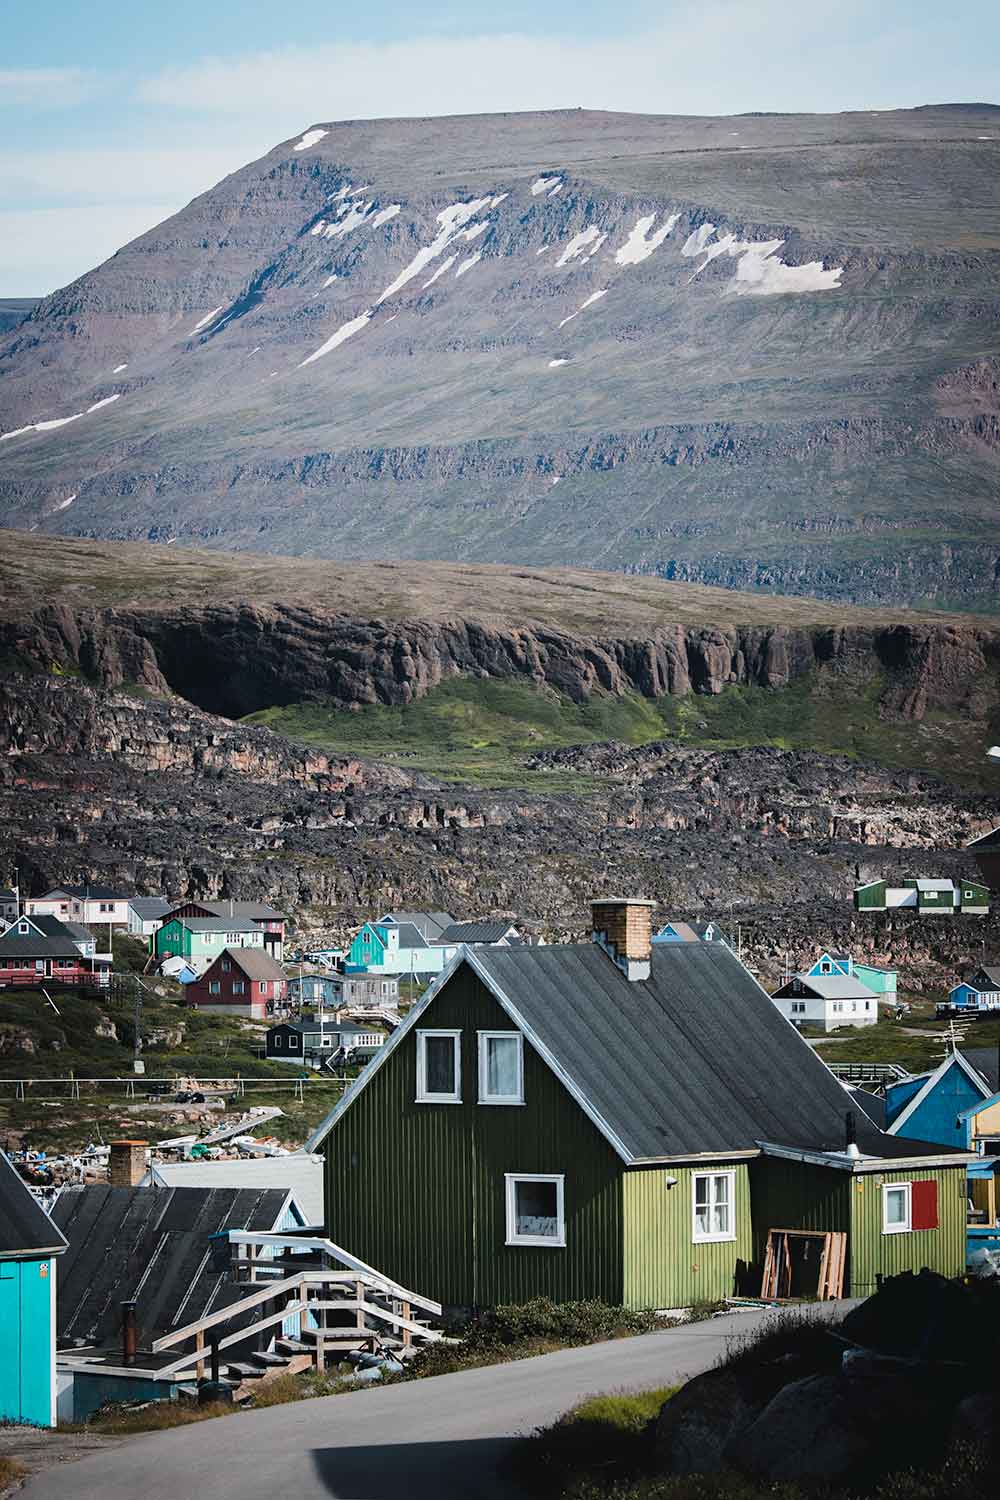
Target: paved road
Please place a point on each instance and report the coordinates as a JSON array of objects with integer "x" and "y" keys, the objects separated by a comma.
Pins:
[{"x": 426, "y": 1440}]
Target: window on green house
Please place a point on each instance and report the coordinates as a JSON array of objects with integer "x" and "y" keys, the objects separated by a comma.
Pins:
[
  {"x": 714, "y": 1206},
  {"x": 535, "y": 1204},
  {"x": 896, "y": 1207},
  {"x": 439, "y": 1077},
  {"x": 501, "y": 1067}
]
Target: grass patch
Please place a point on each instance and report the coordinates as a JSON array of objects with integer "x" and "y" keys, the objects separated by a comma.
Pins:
[
  {"x": 11, "y": 1472},
  {"x": 608, "y": 1438},
  {"x": 155, "y": 1416},
  {"x": 483, "y": 732}
]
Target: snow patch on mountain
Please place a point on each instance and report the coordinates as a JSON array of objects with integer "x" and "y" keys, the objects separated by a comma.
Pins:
[
  {"x": 452, "y": 221},
  {"x": 641, "y": 243},
  {"x": 579, "y": 244},
  {"x": 468, "y": 264},
  {"x": 545, "y": 185},
  {"x": 343, "y": 333},
  {"x": 386, "y": 214},
  {"x": 206, "y": 319},
  {"x": 760, "y": 271},
  {"x": 310, "y": 138}
]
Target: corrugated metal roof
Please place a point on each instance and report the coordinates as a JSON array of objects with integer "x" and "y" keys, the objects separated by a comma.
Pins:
[
  {"x": 430, "y": 923},
  {"x": 25, "y": 1227},
  {"x": 148, "y": 907},
  {"x": 475, "y": 932},
  {"x": 18, "y": 945},
  {"x": 255, "y": 963},
  {"x": 829, "y": 987},
  {"x": 695, "y": 1059},
  {"x": 216, "y": 924},
  {"x": 151, "y": 1244}
]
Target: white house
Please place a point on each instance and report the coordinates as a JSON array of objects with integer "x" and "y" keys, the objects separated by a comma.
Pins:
[
  {"x": 93, "y": 905},
  {"x": 146, "y": 914},
  {"x": 827, "y": 1000}
]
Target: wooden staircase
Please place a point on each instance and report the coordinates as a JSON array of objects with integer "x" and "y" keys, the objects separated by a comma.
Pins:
[{"x": 340, "y": 1304}]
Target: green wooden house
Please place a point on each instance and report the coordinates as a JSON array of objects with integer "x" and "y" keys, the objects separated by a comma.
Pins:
[
  {"x": 200, "y": 940},
  {"x": 621, "y": 1121}
]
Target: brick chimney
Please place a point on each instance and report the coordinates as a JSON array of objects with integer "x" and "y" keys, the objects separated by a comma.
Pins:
[
  {"x": 623, "y": 927},
  {"x": 127, "y": 1163}
]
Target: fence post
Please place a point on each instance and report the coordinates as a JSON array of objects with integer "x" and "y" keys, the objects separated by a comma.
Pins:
[
  {"x": 199, "y": 1349},
  {"x": 407, "y": 1334}
]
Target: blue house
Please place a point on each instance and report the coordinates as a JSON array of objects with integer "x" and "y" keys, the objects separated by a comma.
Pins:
[
  {"x": 29, "y": 1243},
  {"x": 881, "y": 981},
  {"x": 932, "y": 1106},
  {"x": 691, "y": 932},
  {"x": 390, "y": 947},
  {"x": 981, "y": 991}
]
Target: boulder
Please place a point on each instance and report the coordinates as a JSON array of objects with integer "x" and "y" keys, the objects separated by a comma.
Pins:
[
  {"x": 806, "y": 1432},
  {"x": 696, "y": 1425}
]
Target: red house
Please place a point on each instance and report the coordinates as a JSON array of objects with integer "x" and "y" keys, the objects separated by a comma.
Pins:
[
  {"x": 30, "y": 958},
  {"x": 243, "y": 982},
  {"x": 257, "y": 912}
]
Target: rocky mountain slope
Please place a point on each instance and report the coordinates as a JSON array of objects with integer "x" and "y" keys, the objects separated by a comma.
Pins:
[
  {"x": 759, "y": 351},
  {"x": 106, "y": 786}
]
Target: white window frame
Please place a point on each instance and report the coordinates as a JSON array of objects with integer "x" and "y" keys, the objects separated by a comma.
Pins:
[
  {"x": 697, "y": 1238},
  {"x": 484, "y": 1096},
  {"x": 552, "y": 1242},
  {"x": 423, "y": 1097},
  {"x": 906, "y": 1188}
]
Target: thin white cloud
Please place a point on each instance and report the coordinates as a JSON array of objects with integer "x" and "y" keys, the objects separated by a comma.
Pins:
[
  {"x": 47, "y": 88},
  {"x": 44, "y": 248},
  {"x": 117, "y": 174}
]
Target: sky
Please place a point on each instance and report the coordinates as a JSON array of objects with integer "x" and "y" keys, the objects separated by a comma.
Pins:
[{"x": 113, "y": 115}]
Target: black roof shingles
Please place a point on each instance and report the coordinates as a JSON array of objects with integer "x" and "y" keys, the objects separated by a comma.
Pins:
[
  {"x": 25, "y": 1227},
  {"x": 695, "y": 1060}
]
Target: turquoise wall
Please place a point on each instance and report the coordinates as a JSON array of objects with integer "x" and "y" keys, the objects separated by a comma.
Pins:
[{"x": 27, "y": 1341}]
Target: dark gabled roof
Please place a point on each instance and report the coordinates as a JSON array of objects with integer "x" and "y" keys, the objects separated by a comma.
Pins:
[
  {"x": 872, "y": 1104},
  {"x": 409, "y": 935},
  {"x": 251, "y": 911},
  {"x": 695, "y": 1060},
  {"x": 16, "y": 945},
  {"x": 986, "y": 1062},
  {"x": 8, "y": 895},
  {"x": 826, "y": 987},
  {"x": 475, "y": 932},
  {"x": 216, "y": 924},
  {"x": 25, "y": 1227},
  {"x": 151, "y": 906},
  {"x": 255, "y": 963},
  {"x": 992, "y": 976},
  {"x": 55, "y": 927},
  {"x": 430, "y": 924},
  {"x": 89, "y": 892},
  {"x": 150, "y": 1243}
]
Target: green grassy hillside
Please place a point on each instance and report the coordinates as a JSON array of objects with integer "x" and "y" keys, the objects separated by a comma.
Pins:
[{"x": 484, "y": 731}]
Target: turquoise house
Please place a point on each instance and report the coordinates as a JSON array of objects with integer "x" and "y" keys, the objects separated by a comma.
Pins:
[
  {"x": 880, "y": 981},
  {"x": 29, "y": 1243},
  {"x": 201, "y": 940},
  {"x": 397, "y": 948},
  {"x": 935, "y": 1106}
]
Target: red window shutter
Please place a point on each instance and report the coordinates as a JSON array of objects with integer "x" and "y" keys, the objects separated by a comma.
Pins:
[{"x": 925, "y": 1205}]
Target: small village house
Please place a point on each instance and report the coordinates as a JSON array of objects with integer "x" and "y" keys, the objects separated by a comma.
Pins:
[
  {"x": 242, "y": 982},
  {"x": 29, "y": 1245},
  {"x": 928, "y": 1106},
  {"x": 319, "y": 990},
  {"x": 929, "y": 897},
  {"x": 200, "y": 940},
  {"x": 882, "y": 982},
  {"x": 312, "y": 1041},
  {"x": 367, "y": 991},
  {"x": 398, "y": 948},
  {"x": 980, "y": 992},
  {"x": 679, "y": 931},
  {"x": 30, "y": 956},
  {"x": 430, "y": 924},
  {"x": 270, "y": 922},
  {"x": 93, "y": 905},
  {"x": 146, "y": 913},
  {"x": 10, "y": 906},
  {"x": 826, "y": 1000},
  {"x": 619, "y": 1121}
]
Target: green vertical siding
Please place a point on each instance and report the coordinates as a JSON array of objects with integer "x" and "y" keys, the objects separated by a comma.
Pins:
[
  {"x": 796, "y": 1195},
  {"x": 941, "y": 1249},
  {"x": 417, "y": 1190},
  {"x": 664, "y": 1267}
]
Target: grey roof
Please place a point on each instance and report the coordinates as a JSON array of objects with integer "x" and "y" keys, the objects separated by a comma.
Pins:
[
  {"x": 298, "y": 1173},
  {"x": 150, "y": 907},
  {"x": 694, "y": 1060},
  {"x": 151, "y": 1244},
  {"x": 693, "y": 932},
  {"x": 828, "y": 987},
  {"x": 986, "y": 1061},
  {"x": 18, "y": 945},
  {"x": 258, "y": 911},
  {"x": 923, "y": 884},
  {"x": 87, "y": 892},
  {"x": 992, "y": 976},
  {"x": 409, "y": 935},
  {"x": 430, "y": 923},
  {"x": 216, "y": 924},
  {"x": 8, "y": 895},
  {"x": 872, "y": 1104},
  {"x": 25, "y": 1227},
  {"x": 55, "y": 927},
  {"x": 254, "y": 962},
  {"x": 476, "y": 932}
]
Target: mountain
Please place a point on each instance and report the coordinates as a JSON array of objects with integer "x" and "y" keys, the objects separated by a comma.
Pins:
[
  {"x": 14, "y": 310},
  {"x": 760, "y": 351}
]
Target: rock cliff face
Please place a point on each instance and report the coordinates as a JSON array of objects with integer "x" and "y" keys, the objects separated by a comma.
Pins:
[
  {"x": 235, "y": 659},
  {"x": 759, "y": 352}
]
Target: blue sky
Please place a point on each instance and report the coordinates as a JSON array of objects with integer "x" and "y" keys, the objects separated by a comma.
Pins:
[{"x": 114, "y": 115}]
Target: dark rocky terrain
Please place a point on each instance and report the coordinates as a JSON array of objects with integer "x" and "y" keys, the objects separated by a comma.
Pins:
[
  {"x": 108, "y": 786},
  {"x": 759, "y": 351},
  {"x": 14, "y": 310}
]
